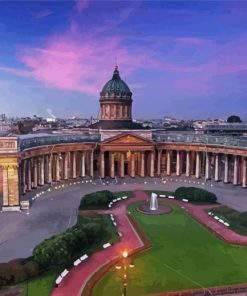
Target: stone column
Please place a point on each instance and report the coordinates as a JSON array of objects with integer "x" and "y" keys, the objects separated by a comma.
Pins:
[
  {"x": 226, "y": 173},
  {"x": 159, "y": 162},
  {"x": 112, "y": 165},
  {"x": 151, "y": 164},
  {"x": 39, "y": 170},
  {"x": 11, "y": 185},
  {"x": 187, "y": 164},
  {"x": 121, "y": 167},
  {"x": 132, "y": 164},
  {"x": 178, "y": 164},
  {"x": 74, "y": 164},
  {"x": 207, "y": 167},
  {"x": 45, "y": 168},
  {"x": 91, "y": 164},
  {"x": 142, "y": 166},
  {"x": 23, "y": 176},
  {"x": 168, "y": 170},
  {"x": 65, "y": 165},
  {"x": 5, "y": 186},
  {"x": 42, "y": 171},
  {"x": 216, "y": 168},
  {"x": 35, "y": 173},
  {"x": 49, "y": 175},
  {"x": 83, "y": 164},
  {"x": 29, "y": 175},
  {"x": 198, "y": 163},
  {"x": 57, "y": 168},
  {"x": 235, "y": 171},
  {"x": 244, "y": 172},
  {"x": 102, "y": 164}
]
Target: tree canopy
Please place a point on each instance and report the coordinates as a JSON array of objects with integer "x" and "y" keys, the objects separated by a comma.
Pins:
[{"x": 234, "y": 119}]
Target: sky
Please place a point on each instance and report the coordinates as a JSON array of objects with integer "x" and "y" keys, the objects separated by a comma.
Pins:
[{"x": 185, "y": 59}]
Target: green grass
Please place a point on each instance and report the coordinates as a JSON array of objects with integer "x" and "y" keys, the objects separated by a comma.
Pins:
[
  {"x": 237, "y": 220},
  {"x": 43, "y": 284},
  {"x": 40, "y": 285},
  {"x": 184, "y": 255}
]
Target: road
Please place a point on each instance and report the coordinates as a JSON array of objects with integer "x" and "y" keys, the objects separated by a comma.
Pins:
[{"x": 55, "y": 211}]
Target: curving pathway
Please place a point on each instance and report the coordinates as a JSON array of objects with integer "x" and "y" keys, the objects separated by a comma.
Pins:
[{"x": 77, "y": 278}]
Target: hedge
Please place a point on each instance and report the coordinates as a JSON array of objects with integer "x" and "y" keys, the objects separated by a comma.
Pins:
[
  {"x": 61, "y": 248},
  {"x": 193, "y": 194},
  {"x": 17, "y": 270},
  {"x": 99, "y": 199}
]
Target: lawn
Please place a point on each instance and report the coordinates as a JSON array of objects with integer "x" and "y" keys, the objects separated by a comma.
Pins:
[
  {"x": 184, "y": 255},
  {"x": 42, "y": 285},
  {"x": 237, "y": 220}
]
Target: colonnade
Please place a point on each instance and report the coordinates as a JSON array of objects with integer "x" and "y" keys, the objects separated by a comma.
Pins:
[
  {"x": 228, "y": 168},
  {"x": 132, "y": 163},
  {"x": 116, "y": 110},
  {"x": 45, "y": 169}
]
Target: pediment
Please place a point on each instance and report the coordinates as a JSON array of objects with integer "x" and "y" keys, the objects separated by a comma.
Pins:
[{"x": 127, "y": 139}]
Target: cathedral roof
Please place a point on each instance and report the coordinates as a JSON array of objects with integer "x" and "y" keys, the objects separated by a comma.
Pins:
[{"x": 116, "y": 86}]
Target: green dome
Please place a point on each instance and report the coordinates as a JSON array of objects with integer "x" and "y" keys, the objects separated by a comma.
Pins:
[{"x": 116, "y": 85}]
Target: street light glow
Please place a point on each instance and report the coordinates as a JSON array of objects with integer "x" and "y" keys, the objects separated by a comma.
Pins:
[{"x": 125, "y": 254}]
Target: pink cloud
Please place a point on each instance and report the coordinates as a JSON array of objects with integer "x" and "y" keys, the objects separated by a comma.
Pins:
[
  {"x": 83, "y": 62},
  {"x": 79, "y": 64},
  {"x": 81, "y": 5}
]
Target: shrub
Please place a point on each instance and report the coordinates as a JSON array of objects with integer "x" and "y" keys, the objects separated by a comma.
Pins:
[
  {"x": 61, "y": 248},
  {"x": 17, "y": 270},
  {"x": 97, "y": 199},
  {"x": 195, "y": 195}
]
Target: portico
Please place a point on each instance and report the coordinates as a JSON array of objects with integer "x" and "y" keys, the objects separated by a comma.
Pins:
[{"x": 126, "y": 154}]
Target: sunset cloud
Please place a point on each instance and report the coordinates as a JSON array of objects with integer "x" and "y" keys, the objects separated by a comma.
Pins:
[
  {"x": 166, "y": 51},
  {"x": 77, "y": 64}
]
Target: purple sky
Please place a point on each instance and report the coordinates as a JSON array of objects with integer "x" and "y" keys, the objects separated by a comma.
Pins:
[{"x": 185, "y": 59}]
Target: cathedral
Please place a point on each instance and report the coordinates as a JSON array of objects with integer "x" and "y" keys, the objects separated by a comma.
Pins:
[{"x": 115, "y": 147}]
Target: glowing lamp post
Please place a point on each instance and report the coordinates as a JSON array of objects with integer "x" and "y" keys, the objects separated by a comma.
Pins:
[{"x": 124, "y": 264}]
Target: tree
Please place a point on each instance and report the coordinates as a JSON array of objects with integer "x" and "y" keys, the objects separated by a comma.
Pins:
[{"x": 234, "y": 119}]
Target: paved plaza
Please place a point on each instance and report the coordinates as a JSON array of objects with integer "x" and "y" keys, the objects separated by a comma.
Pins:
[{"x": 57, "y": 210}]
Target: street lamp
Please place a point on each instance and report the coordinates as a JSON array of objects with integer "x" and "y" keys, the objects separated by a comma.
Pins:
[{"x": 124, "y": 263}]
